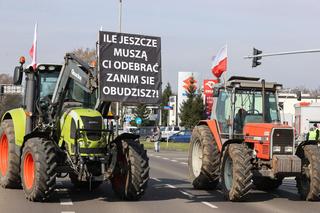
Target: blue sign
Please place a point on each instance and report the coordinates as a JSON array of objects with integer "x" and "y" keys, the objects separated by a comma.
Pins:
[
  {"x": 168, "y": 107},
  {"x": 128, "y": 119},
  {"x": 138, "y": 120}
]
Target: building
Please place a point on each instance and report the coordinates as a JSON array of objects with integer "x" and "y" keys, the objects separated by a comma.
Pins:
[{"x": 287, "y": 102}]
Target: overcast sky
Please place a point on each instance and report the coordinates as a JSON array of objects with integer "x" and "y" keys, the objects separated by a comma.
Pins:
[{"x": 192, "y": 31}]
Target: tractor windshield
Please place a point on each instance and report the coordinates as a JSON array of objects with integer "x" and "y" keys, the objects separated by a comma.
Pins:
[
  {"x": 48, "y": 81},
  {"x": 76, "y": 94},
  {"x": 248, "y": 108}
]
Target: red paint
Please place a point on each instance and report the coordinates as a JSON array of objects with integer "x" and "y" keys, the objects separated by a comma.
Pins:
[
  {"x": 212, "y": 124},
  {"x": 28, "y": 170},
  {"x": 4, "y": 154}
]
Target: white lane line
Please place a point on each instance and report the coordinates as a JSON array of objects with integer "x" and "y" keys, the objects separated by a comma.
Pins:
[
  {"x": 173, "y": 161},
  {"x": 67, "y": 212},
  {"x": 157, "y": 156},
  {"x": 66, "y": 202},
  {"x": 156, "y": 179},
  {"x": 171, "y": 186},
  {"x": 165, "y": 158},
  {"x": 209, "y": 204},
  {"x": 188, "y": 194},
  {"x": 183, "y": 163}
]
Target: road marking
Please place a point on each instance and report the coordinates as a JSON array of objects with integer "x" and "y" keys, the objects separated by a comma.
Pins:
[
  {"x": 188, "y": 194},
  {"x": 66, "y": 202},
  {"x": 165, "y": 158},
  {"x": 156, "y": 179},
  {"x": 173, "y": 161},
  {"x": 171, "y": 186},
  {"x": 157, "y": 156},
  {"x": 181, "y": 158},
  {"x": 209, "y": 204},
  {"x": 67, "y": 212},
  {"x": 183, "y": 163}
]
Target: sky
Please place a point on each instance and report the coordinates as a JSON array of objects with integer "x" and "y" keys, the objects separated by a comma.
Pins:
[{"x": 191, "y": 31}]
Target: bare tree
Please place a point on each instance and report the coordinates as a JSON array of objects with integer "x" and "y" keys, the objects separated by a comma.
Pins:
[{"x": 86, "y": 54}]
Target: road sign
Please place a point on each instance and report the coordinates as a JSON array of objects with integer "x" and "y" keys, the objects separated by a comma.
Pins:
[
  {"x": 130, "y": 68},
  {"x": 138, "y": 120},
  {"x": 168, "y": 107}
]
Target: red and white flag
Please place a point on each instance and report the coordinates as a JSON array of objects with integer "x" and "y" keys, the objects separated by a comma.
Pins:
[
  {"x": 33, "y": 50},
  {"x": 219, "y": 64}
]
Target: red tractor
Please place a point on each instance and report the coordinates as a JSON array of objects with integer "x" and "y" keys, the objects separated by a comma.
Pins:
[{"x": 245, "y": 145}]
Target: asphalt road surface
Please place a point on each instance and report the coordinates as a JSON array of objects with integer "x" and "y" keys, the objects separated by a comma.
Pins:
[{"x": 169, "y": 191}]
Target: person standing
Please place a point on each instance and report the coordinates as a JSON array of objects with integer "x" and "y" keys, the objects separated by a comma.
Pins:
[
  {"x": 313, "y": 134},
  {"x": 157, "y": 138}
]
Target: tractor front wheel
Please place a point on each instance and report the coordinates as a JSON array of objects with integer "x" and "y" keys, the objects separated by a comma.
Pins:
[
  {"x": 9, "y": 160},
  {"x": 38, "y": 169},
  {"x": 308, "y": 182},
  {"x": 131, "y": 174},
  {"x": 236, "y": 172},
  {"x": 204, "y": 159}
]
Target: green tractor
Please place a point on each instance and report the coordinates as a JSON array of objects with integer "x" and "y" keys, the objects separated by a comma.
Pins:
[{"x": 63, "y": 130}]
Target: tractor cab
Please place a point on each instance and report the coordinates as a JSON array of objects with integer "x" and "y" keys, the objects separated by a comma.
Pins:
[
  {"x": 48, "y": 75},
  {"x": 244, "y": 100}
]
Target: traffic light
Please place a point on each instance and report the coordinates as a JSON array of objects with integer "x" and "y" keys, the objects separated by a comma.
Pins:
[{"x": 255, "y": 60}]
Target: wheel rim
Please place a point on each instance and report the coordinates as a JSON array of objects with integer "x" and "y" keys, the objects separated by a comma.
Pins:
[
  {"x": 4, "y": 154},
  {"x": 196, "y": 158},
  {"x": 28, "y": 170},
  {"x": 228, "y": 173}
]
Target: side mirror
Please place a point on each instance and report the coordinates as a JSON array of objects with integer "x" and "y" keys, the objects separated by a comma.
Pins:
[
  {"x": 299, "y": 95},
  {"x": 17, "y": 76}
]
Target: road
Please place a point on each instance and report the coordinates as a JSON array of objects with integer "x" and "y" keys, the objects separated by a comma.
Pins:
[{"x": 169, "y": 191}]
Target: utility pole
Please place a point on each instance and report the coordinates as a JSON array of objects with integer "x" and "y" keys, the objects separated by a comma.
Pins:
[{"x": 118, "y": 103}]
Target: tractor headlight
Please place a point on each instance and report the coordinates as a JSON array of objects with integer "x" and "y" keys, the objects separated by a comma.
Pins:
[
  {"x": 276, "y": 149},
  {"x": 288, "y": 149}
]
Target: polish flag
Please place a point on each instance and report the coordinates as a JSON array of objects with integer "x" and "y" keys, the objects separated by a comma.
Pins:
[
  {"x": 219, "y": 64},
  {"x": 33, "y": 50}
]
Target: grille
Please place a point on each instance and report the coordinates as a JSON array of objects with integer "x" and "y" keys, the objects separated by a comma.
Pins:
[
  {"x": 92, "y": 123},
  {"x": 282, "y": 138}
]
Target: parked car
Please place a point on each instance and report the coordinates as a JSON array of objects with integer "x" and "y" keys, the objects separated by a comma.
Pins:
[
  {"x": 182, "y": 136},
  {"x": 146, "y": 133},
  {"x": 169, "y": 131}
]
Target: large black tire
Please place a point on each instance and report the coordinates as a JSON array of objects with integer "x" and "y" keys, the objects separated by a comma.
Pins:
[
  {"x": 38, "y": 169},
  {"x": 83, "y": 184},
  {"x": 131, "y": 174},
  {"x": 309, "y": 182},
  {"x": 204, "y": 159},
  {"x": 266, "y": 183},
  {"x": 9, "y": 160},
  {"x": 236, "y": 172}
]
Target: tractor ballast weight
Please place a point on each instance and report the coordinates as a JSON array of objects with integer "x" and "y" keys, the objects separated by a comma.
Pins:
[
  {"x": 244, "y": 144},
  {"x": 60, "y": 130}
]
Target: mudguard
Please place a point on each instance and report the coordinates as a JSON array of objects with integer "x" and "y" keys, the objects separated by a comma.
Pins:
[
  {"x": 18, "y": 117},
  {"x": 212, "y": 124}
]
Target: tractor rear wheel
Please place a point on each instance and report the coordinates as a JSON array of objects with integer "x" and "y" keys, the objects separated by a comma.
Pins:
[
  {"x": 131, "y": 174},
  {"x": 236, "y": 172},
  {"x": 266, "y": 183},
  {"x": 308, "y": 182},
  {"x": 38, "y": 169},
  {"x": 204, "y": 159},
  {"x": 9, "y": 160}
]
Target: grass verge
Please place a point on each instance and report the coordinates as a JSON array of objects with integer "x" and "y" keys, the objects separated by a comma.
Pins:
[{"x": 167, "y": 146}]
